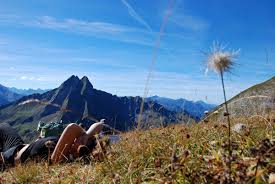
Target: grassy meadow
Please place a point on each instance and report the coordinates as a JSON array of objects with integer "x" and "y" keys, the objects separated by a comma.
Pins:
[{"x": 182, "y": 153}]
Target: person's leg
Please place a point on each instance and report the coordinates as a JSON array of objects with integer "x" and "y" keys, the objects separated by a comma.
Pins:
[{"x": 67, "y": 138}]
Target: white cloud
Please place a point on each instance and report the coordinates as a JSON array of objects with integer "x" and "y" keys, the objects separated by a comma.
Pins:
[
  {"x": 81, "y": 26},
  {"x": 135, "y": 15},
  {"x": 103, "y": 30},
  {"x": 32, "y": 78},
  {"x": 23, "y": 77},
  {"x": 190, "y": 22},
  {"x": 97, "y": 29},
  {"x": 186, "y": 20}
]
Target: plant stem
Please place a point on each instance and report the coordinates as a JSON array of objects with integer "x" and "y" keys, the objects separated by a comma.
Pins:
[{"x": 229, "y": 124}]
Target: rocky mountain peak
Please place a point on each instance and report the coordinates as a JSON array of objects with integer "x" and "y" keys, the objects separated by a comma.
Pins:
[{"x": 86, "y": 83}]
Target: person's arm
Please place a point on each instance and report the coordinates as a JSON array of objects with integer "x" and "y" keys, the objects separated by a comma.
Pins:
[
  {"x": 17, "y": 159},
  {"x": 95, "y": 128},
  {"x": 2, "y": 160}
]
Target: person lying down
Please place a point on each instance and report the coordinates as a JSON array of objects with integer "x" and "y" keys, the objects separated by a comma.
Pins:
[{"x": 74, "y": 142}]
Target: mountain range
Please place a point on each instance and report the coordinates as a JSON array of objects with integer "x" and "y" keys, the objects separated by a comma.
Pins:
[
  {"x": 195, "y": 109},
  {"x": 76, "y": 100},
  {"x": 7, "y": 96},
  {"x": 29, "y": 91}
]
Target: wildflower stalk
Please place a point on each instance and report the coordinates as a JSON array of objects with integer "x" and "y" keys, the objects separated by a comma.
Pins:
[
  {"x": 228, "y": 122},
  {"x": 223, "y": 61}
]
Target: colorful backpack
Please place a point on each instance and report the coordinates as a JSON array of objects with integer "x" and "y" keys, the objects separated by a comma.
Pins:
[{"x": 50, "y": 129}]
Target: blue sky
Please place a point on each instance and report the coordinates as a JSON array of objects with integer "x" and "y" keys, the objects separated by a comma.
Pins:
[{"x": 43, "y": 42}]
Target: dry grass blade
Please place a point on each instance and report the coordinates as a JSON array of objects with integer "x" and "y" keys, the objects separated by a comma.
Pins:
[{"x": 154, "y": 58}]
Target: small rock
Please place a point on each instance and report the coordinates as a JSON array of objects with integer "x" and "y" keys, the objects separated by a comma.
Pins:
[{"x": 239, "y": 128}]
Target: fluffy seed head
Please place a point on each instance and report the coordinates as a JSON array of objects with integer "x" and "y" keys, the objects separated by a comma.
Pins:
[{"x": 220, "y": 60}]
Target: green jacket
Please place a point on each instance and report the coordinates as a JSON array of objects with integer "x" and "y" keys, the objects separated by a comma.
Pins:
[{"x": 50, "y": 129}]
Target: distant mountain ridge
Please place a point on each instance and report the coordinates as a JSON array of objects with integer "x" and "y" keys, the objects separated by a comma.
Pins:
[
  {"x": 29, "y": 91},
  {"x": 196, "y": 109},
  {"x": 7, "y": 96},
  {"x": 76, "y": 100}
]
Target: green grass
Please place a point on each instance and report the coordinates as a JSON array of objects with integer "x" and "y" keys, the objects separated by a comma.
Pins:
[{"x": 195, "y": 153}]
